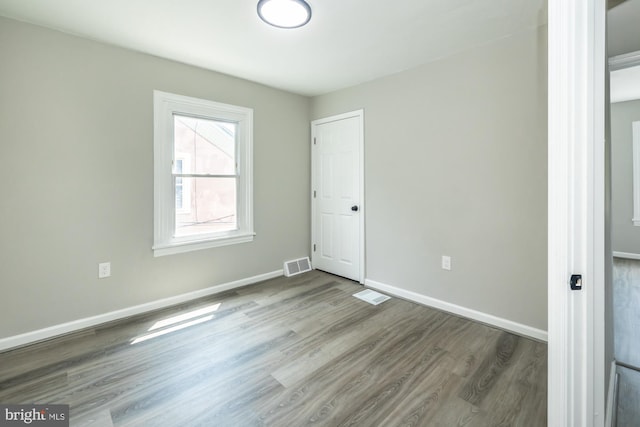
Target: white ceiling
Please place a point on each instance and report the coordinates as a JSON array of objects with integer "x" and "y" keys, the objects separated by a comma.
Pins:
[{"x": 347, "y": 42}]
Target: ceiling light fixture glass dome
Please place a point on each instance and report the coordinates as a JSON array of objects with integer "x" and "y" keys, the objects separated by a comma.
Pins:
[{"x": 284, "y": 13}]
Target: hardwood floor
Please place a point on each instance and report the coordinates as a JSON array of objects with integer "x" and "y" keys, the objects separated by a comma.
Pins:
[{"x": 287, "y": 352}]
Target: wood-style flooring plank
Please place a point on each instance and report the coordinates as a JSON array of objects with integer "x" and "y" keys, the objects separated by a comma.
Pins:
[
  {"x": 521, "y": 382},
  {"x": 286, "y": 352},
  {"x": 322, "y": 396},
  {"x": 490, "y": 370}
]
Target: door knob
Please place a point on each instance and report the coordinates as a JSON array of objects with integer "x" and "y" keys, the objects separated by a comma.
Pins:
[{"x": 354, "y": 208}]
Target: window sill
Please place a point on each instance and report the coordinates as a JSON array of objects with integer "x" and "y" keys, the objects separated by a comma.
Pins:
[{"x": 171, "y": 248}]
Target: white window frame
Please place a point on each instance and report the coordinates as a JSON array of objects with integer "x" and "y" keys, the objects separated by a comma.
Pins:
[
  {"x": 166, "y": 105},
  {"x": 636, "y": 173}
]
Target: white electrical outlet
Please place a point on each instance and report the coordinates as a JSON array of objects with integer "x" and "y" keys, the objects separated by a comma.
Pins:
[
  {"x": 446, "y": 262},
  {"x": 104, "y": 270}
]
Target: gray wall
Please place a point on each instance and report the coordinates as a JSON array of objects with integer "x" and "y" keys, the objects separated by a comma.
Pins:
[
  {"x": 76, "y": 143},
  {"x": 626, "y": 236},
  {"x": 455, "y": 164}
]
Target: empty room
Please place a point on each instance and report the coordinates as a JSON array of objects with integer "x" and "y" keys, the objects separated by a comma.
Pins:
[{"x": 229, "y": 213}]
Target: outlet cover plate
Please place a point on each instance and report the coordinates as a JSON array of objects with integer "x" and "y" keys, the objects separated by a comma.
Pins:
[{"x": 104, "y": 270}]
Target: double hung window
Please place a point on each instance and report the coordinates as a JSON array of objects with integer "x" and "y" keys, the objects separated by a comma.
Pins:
[{"x": 202, "y": 156}]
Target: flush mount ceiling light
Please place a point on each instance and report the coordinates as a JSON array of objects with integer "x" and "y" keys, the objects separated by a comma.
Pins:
[{"x": 284, "y": 13}]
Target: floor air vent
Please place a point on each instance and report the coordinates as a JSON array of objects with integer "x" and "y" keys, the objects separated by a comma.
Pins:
[
  {"x": 297, "y": 266},
  {"x": 372, "y": 297}
]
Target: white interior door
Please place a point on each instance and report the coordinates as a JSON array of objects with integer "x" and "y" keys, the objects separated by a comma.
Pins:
[{"x": 338, "y": 196}]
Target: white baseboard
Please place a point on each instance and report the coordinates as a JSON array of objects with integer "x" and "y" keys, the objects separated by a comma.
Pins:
[
  {"x": 64, "y": 328},
  {"x": 489, "y": 319},
  {"x": 626, "y": 255}
]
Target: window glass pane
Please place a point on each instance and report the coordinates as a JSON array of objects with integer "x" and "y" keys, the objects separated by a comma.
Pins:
[
  {"x": 212, "y": 206},
  {"x": 179, "y": 187},
  {"x": 179, "y": 199},
  {"x": 210, "y": 145}
]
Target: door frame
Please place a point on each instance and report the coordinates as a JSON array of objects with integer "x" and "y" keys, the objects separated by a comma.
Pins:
[
  {"x": 359, "y": 114},
  {"x": 577, "y": 203}
]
